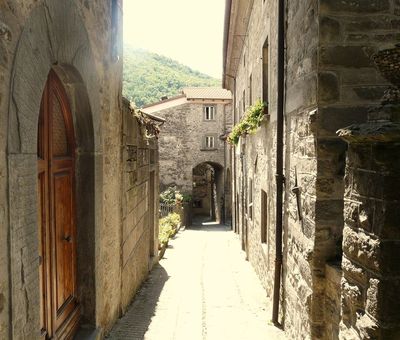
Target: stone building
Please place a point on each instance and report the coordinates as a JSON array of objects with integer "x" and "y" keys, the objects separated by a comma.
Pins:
[
  {"x": 311, "y": 61},
  {"x": 193, "y": 152},
  {"x": 78, "y": 180}
]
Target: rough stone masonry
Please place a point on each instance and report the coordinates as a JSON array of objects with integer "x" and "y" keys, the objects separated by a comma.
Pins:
[
  {"x": 80, "y": 41},
  {"x": 330, "y": 82}
]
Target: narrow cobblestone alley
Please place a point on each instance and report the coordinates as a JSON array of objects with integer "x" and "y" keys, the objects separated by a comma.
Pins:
[{"x": 202, "y": 289}]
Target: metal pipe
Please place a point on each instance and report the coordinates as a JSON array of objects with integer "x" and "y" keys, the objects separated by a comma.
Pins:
[
  {"x": 279, "y": 161},
  {"x": 228, "y": 7},
  {"x": 235, "y": 221}
]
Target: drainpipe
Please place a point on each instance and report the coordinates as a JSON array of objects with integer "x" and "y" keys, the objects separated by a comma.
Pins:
[
  {"x": 279, "y": 161},
  {"x": 234, "y": 226}
]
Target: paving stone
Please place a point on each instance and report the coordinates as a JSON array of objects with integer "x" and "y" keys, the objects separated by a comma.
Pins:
[{"x": 202, "y": 289}]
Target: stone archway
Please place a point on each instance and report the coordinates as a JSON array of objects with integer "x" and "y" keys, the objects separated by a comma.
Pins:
[
  {"x": 46, "y": 44},
  {"x": 208, "y": 191}
]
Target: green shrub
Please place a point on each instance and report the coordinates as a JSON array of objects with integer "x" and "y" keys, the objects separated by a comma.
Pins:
[
  {"x": 172, "y": 196},
  {"x": 168, "y": 227}
]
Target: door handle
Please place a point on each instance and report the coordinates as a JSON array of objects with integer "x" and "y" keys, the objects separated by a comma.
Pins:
[{"x": 68, "y": 238}]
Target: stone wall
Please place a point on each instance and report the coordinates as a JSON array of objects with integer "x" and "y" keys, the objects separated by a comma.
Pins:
[
  {"x": 256, "y": 156},
  {"x": 182, "y": 142},
  {"x": 139, "y": 206},
  {"x": 75, "y": 39},
  {"x": 330, "y": 81},
  {"x": 371, "y": 240},
  {"x": 348, "y": 85}
]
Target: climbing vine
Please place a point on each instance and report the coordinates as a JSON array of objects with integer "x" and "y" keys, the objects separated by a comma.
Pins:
[{"x": 249, "y": 123}]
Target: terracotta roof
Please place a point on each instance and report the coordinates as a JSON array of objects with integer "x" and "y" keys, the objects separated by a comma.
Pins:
[{"x": 206, "y": 93}]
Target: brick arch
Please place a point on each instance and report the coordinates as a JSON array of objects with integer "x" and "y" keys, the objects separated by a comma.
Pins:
[{"x": 45, "y": 44}]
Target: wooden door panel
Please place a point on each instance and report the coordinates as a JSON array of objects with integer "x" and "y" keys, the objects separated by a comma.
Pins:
[
  {"x": 64, "y": 251},
  {"x": 59, "y": 306},
  {"x": 42, "y": 246}
]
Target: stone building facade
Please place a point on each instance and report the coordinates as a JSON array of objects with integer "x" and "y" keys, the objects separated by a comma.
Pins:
[
  {"x": 335, "y": 273},
  {"x": 193, "y": 135},
  {"x": 78, "y": 182}
]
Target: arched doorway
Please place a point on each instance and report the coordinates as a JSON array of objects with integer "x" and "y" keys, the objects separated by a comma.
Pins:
[
  {"x": 208, "y": 192},
  {"x": 59, "y": 307}
]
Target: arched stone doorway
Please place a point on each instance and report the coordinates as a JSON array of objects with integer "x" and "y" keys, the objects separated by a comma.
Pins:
[
  {"x": 208, "y": 192},
  {"x": 73, "y": 63}
]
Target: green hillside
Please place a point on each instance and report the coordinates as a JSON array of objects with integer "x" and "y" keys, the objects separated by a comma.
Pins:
[{"x": 149, "y": 76}]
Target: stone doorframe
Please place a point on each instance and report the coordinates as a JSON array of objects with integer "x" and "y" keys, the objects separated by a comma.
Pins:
[{"x": 54, "y": 37}]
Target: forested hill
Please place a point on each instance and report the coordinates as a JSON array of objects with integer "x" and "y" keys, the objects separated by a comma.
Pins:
[{"x": 149, "y": 76}]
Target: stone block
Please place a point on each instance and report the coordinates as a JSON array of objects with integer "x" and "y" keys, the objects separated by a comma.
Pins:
[
  {"x": 330, "y": 30},
  {"x": 386, "y": 220},
  {"x": 352, "y": 297},
  {"x": 332, "y": 150},
  {"x": 329, "y": 211},
  {"x": 354, "y": 271},
  {"x": 382, "y": 301},
  {"x": 355, "y": 6},
  {"x": 346, "y": 56},
  {"x": 362, "y": 248},
  {"x": 334, "y": 118},
  {"x": 356, "y": 38},
  {"x": 329, "y": 188},
  {"x": 328, "y": 87},
  {"x": 354, "y": 94}
]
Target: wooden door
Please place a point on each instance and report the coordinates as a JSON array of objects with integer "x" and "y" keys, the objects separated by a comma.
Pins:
[{"x": 56, "y": 197}]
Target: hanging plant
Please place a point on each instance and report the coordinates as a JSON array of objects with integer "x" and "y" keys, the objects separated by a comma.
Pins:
[{"x": 249, "y": 123}]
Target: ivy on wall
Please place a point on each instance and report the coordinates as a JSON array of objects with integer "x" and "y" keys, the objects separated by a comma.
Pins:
[{"x": 249, "y": 123}]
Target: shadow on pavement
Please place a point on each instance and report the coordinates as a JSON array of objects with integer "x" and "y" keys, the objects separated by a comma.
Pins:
[{"x": 134, "y": 324}]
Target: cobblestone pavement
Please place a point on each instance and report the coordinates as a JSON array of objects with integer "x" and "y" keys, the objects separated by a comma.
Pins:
[{"x": 203, "y": 289}]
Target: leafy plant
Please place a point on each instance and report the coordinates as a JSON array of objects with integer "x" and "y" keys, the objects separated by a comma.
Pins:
[
  {"x": 173, "y": 196},
  {"x": 168, "y": 196},
  {"x": 168, "y": 227},
  {"x": 249, "y": 123}
]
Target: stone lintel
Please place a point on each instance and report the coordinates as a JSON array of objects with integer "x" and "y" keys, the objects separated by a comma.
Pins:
[{"x": 371, "y": 132}]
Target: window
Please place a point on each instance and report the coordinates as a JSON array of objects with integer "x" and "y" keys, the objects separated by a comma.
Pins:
[
  {"x": 251, "y": 89},
  {"x": 265, "y": 81},
  {"x": 210, "y": 142},
  {"x": 197, "y": 204},
  {"x": 209, "y": 112},
  {"x": 244, "y": 101},
  {"x": 250, "y": 199},
  {"x": 264, "y": 217}
]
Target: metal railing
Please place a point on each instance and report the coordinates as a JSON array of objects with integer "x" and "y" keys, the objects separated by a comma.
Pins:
[{"x": 166, "y": 209}]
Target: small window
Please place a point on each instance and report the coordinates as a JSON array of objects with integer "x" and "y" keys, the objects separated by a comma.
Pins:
[
  {"x": 210, "y": 142},
  {"x": 264, "y": 217},
  {"x": 265, "y": 79},
  {"x": 244, "y": 101},
  {"x": 197, "y": 204},
  {"x": 209, "y": 112},
  {"x": 250, "y": 199},
  {"x": 251, "y": 89}
]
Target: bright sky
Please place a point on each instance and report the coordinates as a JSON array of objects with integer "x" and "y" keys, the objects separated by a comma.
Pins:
[{"x": 189, "y": 31}]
